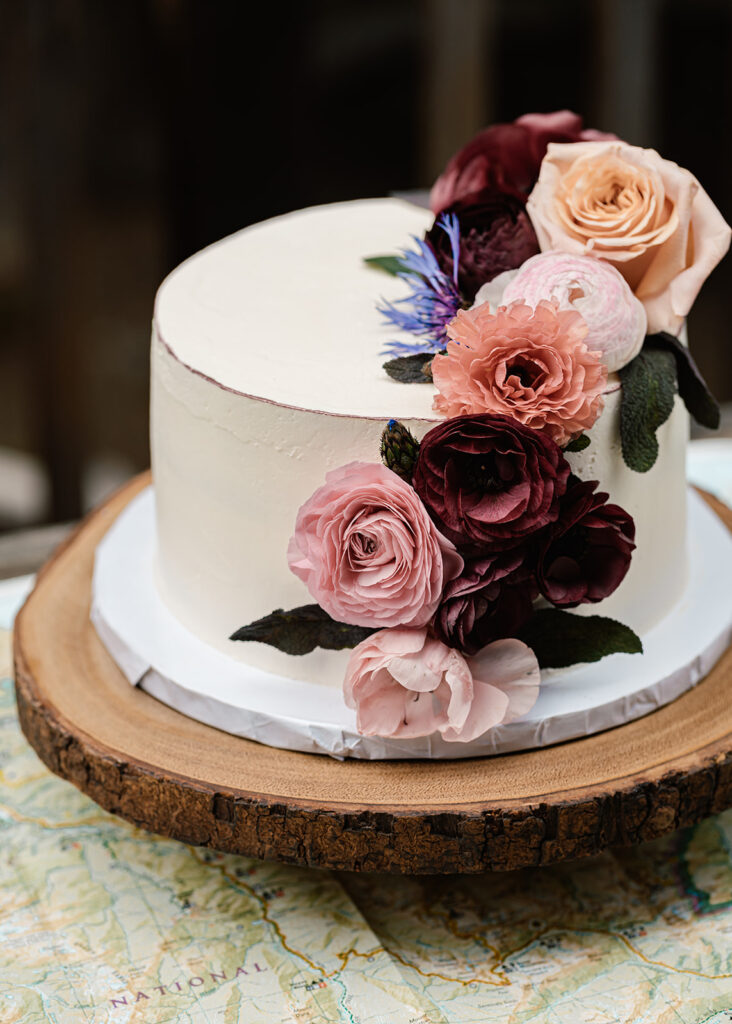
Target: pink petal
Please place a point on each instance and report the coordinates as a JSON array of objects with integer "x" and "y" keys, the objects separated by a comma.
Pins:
[
  {"x": 487, "y": 710},
  {"x": 511, "y": 666}
]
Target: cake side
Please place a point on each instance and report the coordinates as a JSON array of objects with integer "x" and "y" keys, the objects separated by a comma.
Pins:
[{"x": 231, "y": 472}]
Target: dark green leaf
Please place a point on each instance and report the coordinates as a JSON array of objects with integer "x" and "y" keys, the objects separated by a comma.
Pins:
[
  {"x": 411, "y": 369},
  {"x": 646, "y": 401},
  {"x": 578, "y": 445},
  {"x": 693, "y": 389},
  {"x": 302, "y": 630},
  {"x": 559, "y": 638},
  {"x": 389, "y": 264}
]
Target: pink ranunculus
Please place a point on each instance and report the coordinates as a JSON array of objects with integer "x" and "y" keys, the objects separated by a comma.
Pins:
[
  {"x": 505, "y": 158},
  {"x": 529, "y": 363},
  {"x": 645, "y": 215},
  {"x": 615, "y": 318},
  {"x": 406, "y": 683},
  {"x": 367, "y": 550}
]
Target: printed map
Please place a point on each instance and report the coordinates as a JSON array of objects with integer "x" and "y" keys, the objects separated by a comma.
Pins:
[{"x": 101, "y": 922}]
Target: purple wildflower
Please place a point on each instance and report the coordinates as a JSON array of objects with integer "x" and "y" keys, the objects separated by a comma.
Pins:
[{"x": 434, "y": 297}]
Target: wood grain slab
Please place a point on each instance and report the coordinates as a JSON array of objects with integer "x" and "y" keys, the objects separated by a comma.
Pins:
[{"x": 139, "y": 759}]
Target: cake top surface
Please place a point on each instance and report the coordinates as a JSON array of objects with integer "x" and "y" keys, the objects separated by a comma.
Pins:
[{"x": 286, "y": 310}]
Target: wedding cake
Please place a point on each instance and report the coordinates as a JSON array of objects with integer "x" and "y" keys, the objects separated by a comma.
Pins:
[{"x": 411, "y": 465}]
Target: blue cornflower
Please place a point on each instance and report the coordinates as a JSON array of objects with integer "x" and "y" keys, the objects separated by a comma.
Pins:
[{"x": 434, "y": 298}]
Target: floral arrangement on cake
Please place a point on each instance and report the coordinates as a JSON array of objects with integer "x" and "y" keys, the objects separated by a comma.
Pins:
[
  {"x": 543, "y": 212},
  {"x": 560, "y": 266}
]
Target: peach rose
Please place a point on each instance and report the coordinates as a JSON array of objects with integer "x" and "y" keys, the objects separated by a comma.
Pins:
[
  {"x": 404, "y": 683},
  {"x": 367, "y": 550},
  {"x": 645, "y": 215},
  {"x": 531, "y": 364}
]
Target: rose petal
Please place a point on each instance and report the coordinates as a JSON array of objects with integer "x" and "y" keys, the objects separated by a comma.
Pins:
[
  {"x": 646, "y": 216},
  {"x": 512, "y": 667}
]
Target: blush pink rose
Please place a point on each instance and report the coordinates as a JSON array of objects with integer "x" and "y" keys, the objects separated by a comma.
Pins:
[
  {"x": 645, "y": 215},
  {"x": 531, "y": 364},
  {"x": 367, "y": 550},
  {"x": 405, "y": 683}
]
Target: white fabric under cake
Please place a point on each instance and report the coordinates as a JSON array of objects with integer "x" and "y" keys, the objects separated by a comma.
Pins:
[{"x": 267, "y": 372}]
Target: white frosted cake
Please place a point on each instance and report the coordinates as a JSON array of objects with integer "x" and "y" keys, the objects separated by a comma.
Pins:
[
  {"x": 263, "y": 382},
  {"x": 419, "y": 475}
]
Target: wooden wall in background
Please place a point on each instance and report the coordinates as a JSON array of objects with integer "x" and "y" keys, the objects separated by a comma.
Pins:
[{"x": 132, "y": 134}]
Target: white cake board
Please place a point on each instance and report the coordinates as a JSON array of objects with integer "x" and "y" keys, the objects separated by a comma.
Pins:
[{"x": 156, "y": 652}]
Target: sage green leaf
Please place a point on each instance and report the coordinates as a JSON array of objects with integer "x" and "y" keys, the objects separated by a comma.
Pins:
[
  {"x": 693, "y": 389},
  {"x": 646, "y": 401},
  {"x": 411, "y": 369},
  {"x": 578, "y": 445},
  {"x": 388, "y": 264},
  {"x": 558, "y": 638},
  {"x": 301, "y": 630}
]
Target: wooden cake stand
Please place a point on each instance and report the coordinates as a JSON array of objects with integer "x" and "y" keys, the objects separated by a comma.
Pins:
[{"x": 153, "y": 766}]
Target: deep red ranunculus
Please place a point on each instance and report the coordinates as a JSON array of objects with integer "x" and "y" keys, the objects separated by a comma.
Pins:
[
  {"x": 506, "y": 157},
  {"x": 586, "y": 552},
  {"x": 490, "y": 600},
  {"x": 495, "y": 235},
  {"x": 488, "y": 481}
]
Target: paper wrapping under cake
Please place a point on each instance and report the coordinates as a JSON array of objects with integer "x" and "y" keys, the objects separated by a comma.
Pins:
[{"x": 155, "y": 651}]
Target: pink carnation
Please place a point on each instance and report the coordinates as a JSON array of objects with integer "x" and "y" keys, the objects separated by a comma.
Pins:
[
  {"x": 531, "y": 364},
  {"x": 404, "y": 683},
  {"x": 368, "y": 552}
]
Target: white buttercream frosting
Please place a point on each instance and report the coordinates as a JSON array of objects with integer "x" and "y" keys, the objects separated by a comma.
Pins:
[
  {"x": 286, "y": 310},
  {"x": 267, "y": 372}
]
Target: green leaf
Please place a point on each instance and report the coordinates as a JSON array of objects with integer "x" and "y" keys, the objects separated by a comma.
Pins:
[
  {"x": 302, "y": 630},
  {"x": 559, "y": 638},
  {"x": 389, "y": 264},
  {"x": 578, "y": 445},
  {"x": 693, "y": 389},
  {"x": 646, "y": 401},
  {"x": 411, "y": 369}
]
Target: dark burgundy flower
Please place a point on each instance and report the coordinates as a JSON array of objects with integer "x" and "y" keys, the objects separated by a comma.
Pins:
[
  {"x": 586, "y": 553},
  {"x": 495, "y": 235},
  {"x": 506, "y": 157},
  {"x": 489, "y": 482},
  {"x": 490, "y": 600}
]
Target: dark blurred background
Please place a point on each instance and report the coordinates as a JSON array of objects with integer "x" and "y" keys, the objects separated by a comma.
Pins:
[{"x": 132, "y": 134}]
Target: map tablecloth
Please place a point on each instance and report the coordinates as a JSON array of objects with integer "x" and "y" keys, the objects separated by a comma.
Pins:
[{"x": 101, "y": 922}]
